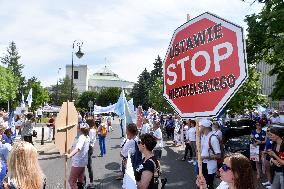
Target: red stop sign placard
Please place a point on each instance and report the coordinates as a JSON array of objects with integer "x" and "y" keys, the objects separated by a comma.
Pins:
[{"x": 204, "y": 66}]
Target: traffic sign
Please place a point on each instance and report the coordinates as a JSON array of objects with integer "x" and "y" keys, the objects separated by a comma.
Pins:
[{"x": 205, "y": 65}]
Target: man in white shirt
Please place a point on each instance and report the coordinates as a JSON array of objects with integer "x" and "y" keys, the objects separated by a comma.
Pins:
[
  {"x": 39, "y": 114},
  {"x": 275, "y": 118},
  {"x": 145, "y": 127},
  {"x": 210, "y": 152},
  {"x": 159, "y": 137}
]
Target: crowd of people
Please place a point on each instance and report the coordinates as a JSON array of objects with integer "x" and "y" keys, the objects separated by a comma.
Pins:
[{"x": 143, "y": 145}]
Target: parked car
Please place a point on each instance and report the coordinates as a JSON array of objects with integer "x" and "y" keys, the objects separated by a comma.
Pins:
[
  {"x": 240, "y": 144},
  {"x": 238, "y": 127}
]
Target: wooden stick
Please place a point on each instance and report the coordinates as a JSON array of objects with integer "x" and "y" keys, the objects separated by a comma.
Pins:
[{"x": 198, "y": 147}]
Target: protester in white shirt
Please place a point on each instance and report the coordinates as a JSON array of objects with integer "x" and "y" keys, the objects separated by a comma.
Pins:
[
  {"x": 93, "y": 138},
  {"x": 39, "y": 114},
  {"x": 210, "y": 151},
  {"x": 145, "y": 127},
  {"x": 190, "y": 142},
  {"x": 236, "y": 173},
  {"x": 159, "y": 137},
  {"x": 177, "y": 131},
  {"x": 128, "y": 146},
  {"x": 275, "y": 118},
  {"x": 79, "y": 154},
  {"x": 109, "y": 123}
]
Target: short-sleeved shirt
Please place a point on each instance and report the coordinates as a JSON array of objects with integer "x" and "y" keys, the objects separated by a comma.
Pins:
[
  {"x": 147, "y": 165},
  {"x": 129, "y": 145},
  {"x": 207, "y": 152},
  {"x": 259, "y": 136},
  {"x": 81, "y": 158},
  {"x": 158, "y": 134},
  {"x": 191, "y": 134}
]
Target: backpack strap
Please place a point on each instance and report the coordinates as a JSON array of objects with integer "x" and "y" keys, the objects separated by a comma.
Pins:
[
  {"x": 156, "y": 172},
  {"x": 210, "y": 144}
]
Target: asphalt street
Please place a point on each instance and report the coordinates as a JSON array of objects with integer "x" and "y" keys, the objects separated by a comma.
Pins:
[{"x": 179, "y": 174}]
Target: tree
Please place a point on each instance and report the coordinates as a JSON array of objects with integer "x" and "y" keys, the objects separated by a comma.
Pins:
[
  {"x": 40, "y": 94},
  {"x": 248, "y": 96},
  {"x": 84, "y": 98},
  {"x": 62, "y": 92},
  {"x": 11, "y": 60},
  {"x": 108, "y": 96},
  {"x": 140, "y": 91},
  {"x": 157, "y": 72},
  {"x": 8, "y": 86},
  {"x": 265, "y": 41},
  {"x": 156, "y": 99}
]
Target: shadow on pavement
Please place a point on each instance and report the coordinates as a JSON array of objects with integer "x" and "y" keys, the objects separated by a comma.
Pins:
[
  {"x": 112, "y": 166},
  {"x": 49, "y": 158},
  {"x": 180, "y": 174}
]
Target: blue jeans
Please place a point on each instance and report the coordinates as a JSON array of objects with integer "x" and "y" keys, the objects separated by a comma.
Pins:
[{"x": 102, "y": 144}]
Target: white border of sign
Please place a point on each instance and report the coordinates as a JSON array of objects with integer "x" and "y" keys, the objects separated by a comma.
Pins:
[{"x": 242, "y": 61}]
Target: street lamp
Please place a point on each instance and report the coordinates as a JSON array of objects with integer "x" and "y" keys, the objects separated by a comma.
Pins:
[
  {"x": 79, "y": 54},
  {"x": 57, "y": 87}
]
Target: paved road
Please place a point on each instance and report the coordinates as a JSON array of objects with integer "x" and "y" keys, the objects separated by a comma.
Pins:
[{"x": 179, "y": 174}]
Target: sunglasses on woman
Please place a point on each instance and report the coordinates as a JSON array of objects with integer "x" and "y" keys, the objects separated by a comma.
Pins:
[{"x": 226, "y": 168}]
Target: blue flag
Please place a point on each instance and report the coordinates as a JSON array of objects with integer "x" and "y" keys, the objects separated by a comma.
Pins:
[{"x": 11, "y": 123}]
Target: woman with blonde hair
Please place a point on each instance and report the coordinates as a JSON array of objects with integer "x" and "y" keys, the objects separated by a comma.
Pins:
[{"x": 24, "y": 169}]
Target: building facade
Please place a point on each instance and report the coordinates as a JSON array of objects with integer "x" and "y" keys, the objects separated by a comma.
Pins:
[{"x": 84, "y": 80}]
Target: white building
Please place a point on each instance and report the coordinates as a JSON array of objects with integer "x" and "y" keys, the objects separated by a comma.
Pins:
[{"x": 85, "y": 80}]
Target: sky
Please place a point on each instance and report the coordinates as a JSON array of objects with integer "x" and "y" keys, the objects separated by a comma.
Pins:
[{"x": 124, "y": 35}]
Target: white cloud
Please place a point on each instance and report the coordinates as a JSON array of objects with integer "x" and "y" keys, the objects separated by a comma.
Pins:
[{"x": 130, "y": 33}]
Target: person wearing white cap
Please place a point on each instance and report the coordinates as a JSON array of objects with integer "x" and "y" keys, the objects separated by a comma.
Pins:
[
  {"x": 79, "y": 154},
  {"x": 210, "y": 152}
]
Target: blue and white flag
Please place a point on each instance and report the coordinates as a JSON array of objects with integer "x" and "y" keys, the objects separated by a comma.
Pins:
[
  {"x": 129, "y": 181},
  {"x": 122, "y": 110},
  {"x": 11, "y": 123},
  {"x": 30, "y": 97},
  {"x": 23, "y": 105}
]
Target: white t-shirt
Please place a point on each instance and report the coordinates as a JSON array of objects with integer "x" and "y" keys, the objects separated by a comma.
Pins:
[
  {"x": 128, "y": 146},
  {"x": 191, "y": 134},
  {"x": 158, "y": 134},
  {"x": 81, "y": 158},
  {"x": 145, "y": 128},
  {"x": 275, "y": 119},
  {"x": 223, "y": 185},
  {"x": 219, "y": 134},
  {"x": 39, "y": 112},
  {"x": 205, "y": 151},
  {"x": 93, "y": 136}
]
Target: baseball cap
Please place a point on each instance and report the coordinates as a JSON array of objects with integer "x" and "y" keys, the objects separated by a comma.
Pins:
[
  {"x": 205, "y": 123},
  {"x": 84, "y": 125}
]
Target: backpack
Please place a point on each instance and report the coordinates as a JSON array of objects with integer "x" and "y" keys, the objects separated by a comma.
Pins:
[
  {"x": 136, "y": 158},
  {"x": 103, "y": 131},
  {"x": 219, "y": 160}
]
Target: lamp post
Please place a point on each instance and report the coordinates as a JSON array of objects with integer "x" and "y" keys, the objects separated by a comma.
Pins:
[
  {"x": 57, "y": 87},
  {"x": 79, "y": 54}
]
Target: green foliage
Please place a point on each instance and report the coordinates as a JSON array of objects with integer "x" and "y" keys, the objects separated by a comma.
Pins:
[
  {"x": 62, "y": 92},
  {"x": 156, "y": 98},
  {"x": 248, "y": 95},
  {"x": 266, "y": 41},
  {"x": 40, "y": 94},
  {"x": 7, "y": 85},
  {"x": 157, "y": 72},
  {"x": 140, "y": 91},
  {"x": 11, "y": 59},
  {"x": 108, "y": 96},
  {"x": 84, "y": 98}
]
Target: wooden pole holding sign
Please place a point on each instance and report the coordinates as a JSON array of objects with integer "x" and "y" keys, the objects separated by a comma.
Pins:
[
  {"x": 198, "y": 147},
  {"x": 66, "y": 131}
]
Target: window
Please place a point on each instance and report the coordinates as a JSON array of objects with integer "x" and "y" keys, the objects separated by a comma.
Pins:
[{"x": 76, "y": 74}]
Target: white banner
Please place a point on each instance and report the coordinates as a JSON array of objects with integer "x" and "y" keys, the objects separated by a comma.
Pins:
[{"x": 100, "y": 109}]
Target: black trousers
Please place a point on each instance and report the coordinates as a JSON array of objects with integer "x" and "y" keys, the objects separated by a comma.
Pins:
[
  {"x": 89, "y": 166},
  {"x": 208, "y": 177},
  {"x": 170, "y": 132},
  {"x": 187, "y": 148},
  {"x": 29, "y": 139}
]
